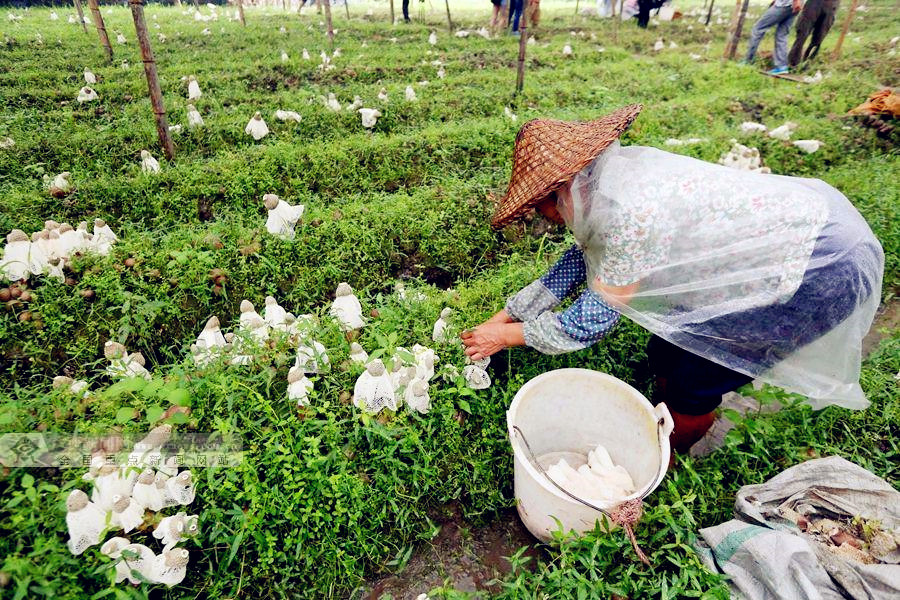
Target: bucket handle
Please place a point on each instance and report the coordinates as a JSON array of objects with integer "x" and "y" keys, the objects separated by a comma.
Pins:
[{"x": 626, "y": 513}]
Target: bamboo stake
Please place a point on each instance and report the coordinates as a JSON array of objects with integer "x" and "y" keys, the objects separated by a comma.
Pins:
[
  {"x": 240, "y": 4},
  {"x": 80, "y": 15},
  {"x": 392, "y": 12},
  {"x": 162, "y": 126},
  {"x": 327, "y": 4},
  {"x": 523, "y": 42},
  {"x": 576, "y": 6},
  {"x": 836, "y": 53},
  {"x": 740, "y": 28},
  {"x": 731, "y": 45},
  {"x": 101, "y": 28},
  {"x": 347, "y": 8},
  {"x": 709, "y": 14},
  {"x": 319, "y": 7},
  {"x": 449, "y": 21}
]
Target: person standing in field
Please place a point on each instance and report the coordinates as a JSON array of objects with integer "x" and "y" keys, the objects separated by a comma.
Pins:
[
  {"x": 738, "y": 275},
  {"x": 779, "y": 15},
  {"x": 406, "y": 10},
  {"x": 515, "y": 13}
]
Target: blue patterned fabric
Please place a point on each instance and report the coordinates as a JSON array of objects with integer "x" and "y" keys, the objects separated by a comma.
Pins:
[
  {"x": 568, "y": 273},
  {"x": 589, "y": 318}
]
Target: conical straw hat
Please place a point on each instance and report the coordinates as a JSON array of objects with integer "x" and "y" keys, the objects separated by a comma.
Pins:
[{"x": 550, "y": 153}]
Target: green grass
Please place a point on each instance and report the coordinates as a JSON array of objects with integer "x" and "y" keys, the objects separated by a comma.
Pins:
[{"x": 326, "y": 499}]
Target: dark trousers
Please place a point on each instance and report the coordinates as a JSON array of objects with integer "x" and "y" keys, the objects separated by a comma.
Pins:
[
  {"x": 406, "y": 10},
  {"x": 644, "y": 8},
  {"x": 515, "y": 13}
]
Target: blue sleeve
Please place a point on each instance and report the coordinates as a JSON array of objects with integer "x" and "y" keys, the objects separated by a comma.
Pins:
[
  {"x": 581, "y": 325},
  {"x": 568, "y": 273}
]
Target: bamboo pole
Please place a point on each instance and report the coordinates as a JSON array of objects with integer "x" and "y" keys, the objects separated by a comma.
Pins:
[
  {"x": 576, "y": 6},
  {"x": 80, "y": 15},
  {"x": 740, "y": 28},
  {"x": 523, "y": 42},
  {"x": 392, "y": 12},
  {"x": 731, "y": 45},
  {"x": 101, "y": 28},
  {"x": 327, "y": 4},
  {"x": 709, "y": 14},
  {"x": 240, "y": 4},
  {"x": 449, "y": 21},
  {"x": 347, "y": 8},
  {"x": 162, "y": 126},
  {"x": 836, "y": 53}
]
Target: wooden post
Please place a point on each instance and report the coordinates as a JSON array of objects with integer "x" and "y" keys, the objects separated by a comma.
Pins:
[
  {"x": 101, "y": 28},
  {"x": 709, "y": 14},
  {"x": 392, "y": 12},
  {"x": 80, "y": 15},
  {"x": 240, "y": 4},
  {"x": 327, "y": 4},
  {"x": 162, "y": 126},
  {"x": 523, "y": 43},
  {"x": 347, "y": 8},
  {"x": 836, "y": 53},
  {"x": 737, "y": 25},
  {"x": 449, "y": 21},
  {"x": 576, "y": 7}
]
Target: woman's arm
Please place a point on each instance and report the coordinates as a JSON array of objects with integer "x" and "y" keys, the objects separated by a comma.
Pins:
[{"x": 547, "y": 292}]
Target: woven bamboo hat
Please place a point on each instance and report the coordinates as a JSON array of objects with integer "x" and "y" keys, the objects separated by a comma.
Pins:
[{"x": 550, "y": 153}]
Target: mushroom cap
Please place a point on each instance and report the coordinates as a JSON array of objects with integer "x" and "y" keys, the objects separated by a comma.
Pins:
[
  {"x": 177, "y": 557},
  {"x": 138, "y": 358},
  {"x": 82, "y": 226},
  {"x": 419, "y": 387},
  {"x": 146, "y": 477},
  {"x": 191, "y": 108},
  {"x": 50, "y": 224},
  {"x": 213, "y": 323},
  {"x": 185, "y": 478},
  {"x": 53, "y": 235},
  {"x": 113, "y": 546},
  {"x": 355, "y": 348},
  {"x": 76, "y": 500},
  {"x": 113, "y": 349},
  {"x": 257, "y": 116},
  {"x": 62, "y": 381},
  {"x": 246, "y": 306},
  {"x": 99, "y": 223},
  {"x": 375, "y": 368},
  {"x": 295, "y": 374},
  {"x": 120, "y": 503},
  {"x": 445, "y": 313},
  {"x": 270, "y": 300},
  {"x": 17, "y": 235},
  {"x": 343, "y": 289},
  {"x": 65, "y": 227},
  {"x": 191, "y": 78},
  {"x": 144, "y": 154},
  {"x": 271, "y": 201}
]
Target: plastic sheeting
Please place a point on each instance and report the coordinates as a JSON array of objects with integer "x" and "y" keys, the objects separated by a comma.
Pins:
[{"x": 775, "y": 277}]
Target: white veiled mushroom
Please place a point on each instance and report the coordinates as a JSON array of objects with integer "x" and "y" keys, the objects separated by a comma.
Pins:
[
  {"x": 439, "y": 332},
  {"x": 509, "y": 114},
  {"x": 476, "y": 377},
  {"x": 312, "y": 357},
  {"x": 54, "y": 16},
  {"x": 282, "y": 217},
  {"x": 369, "y": 117},
  {"x": 808, "y": 146},
  {"x": 194, "y": 118},
  {"x": 145, "y": 491},
  {"x": 113, "y": 549},
  {"x": 355, "y": 105},
  {"x": 87, "y": 94},
  {"x": 256, "y": 127},
  {"x": 16, "y": 261},
  {"x": 61, "y": 185},
  {"x": 358, "y": 354},
  {"x": 174, "y": 528},
  {"x": 284, "y": 56},
  {"x": 121, "y": 38},
  {"x": 484, "y": 32},
  {"x": 299, "y": 386},
  {"x": 410, "y": 94},
  {"x": 673, "y": 45},
  {"x": 306, "y": 54},
  {"x": 432, "y": 38},
  {"x": 85, "y": 521},
  {"x": 179, "y": 490},
  {"x": 6, "y": 143},
  {"x": 89, "y": 77},
  {"x": 659, "y": 45},
  {"x": 126, "y": 514},
  {"x": 209, "y": 343},
  {"x": 273, "y": 313},
  {"x": 148, "y": 163},
  {"x": 170, "y": 567},
  {"x": 287, "y": 115},
  {"x": 73, "y": 386},
  {"x": 346, "y": 308},
  {"x": 567, "y": 50},
  {"x": 382, "y": 95},
  {"x": 103, "y": 237},
  {"x": 374, "y": 390},
  {"x": 425, "y": 359},
  {"x": 441, "y": 73},
  {"x": 332, "y": 102},
  {"x": 783, "y": 132},
  {"x": 752, "y": 127},
  {"x": 194, "y": 92},
  {"x": 139, "y": 558},
  {"x": 416, "y": 396}
]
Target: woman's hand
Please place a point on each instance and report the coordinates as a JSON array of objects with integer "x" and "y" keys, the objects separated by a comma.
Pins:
[
  {"x": 489, "y": 338},
  {"x": 501, "y": 317}
]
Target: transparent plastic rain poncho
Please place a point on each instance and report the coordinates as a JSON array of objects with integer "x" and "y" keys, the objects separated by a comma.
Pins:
[{"x": 775, "y": 277}]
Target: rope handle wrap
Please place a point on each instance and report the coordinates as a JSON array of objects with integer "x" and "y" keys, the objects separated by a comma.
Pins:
[{"x": 626, "y": 513}]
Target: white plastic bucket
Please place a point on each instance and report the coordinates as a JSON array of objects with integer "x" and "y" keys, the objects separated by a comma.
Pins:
[{"x": 564, "y": 414}]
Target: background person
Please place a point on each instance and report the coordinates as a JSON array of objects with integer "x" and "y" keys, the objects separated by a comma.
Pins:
[{"x": 779, "y": 15}]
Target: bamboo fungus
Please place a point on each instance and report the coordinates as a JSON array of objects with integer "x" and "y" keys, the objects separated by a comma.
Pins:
[
  {"x": 523, "y": 42},
  {"x": 101, "y": 28},
  {"x": 327, "y": 4},
  {"x": 80, "y": 15},
  {"x": 156, "y": 100},
  {"x": 836, "y": 53}
]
